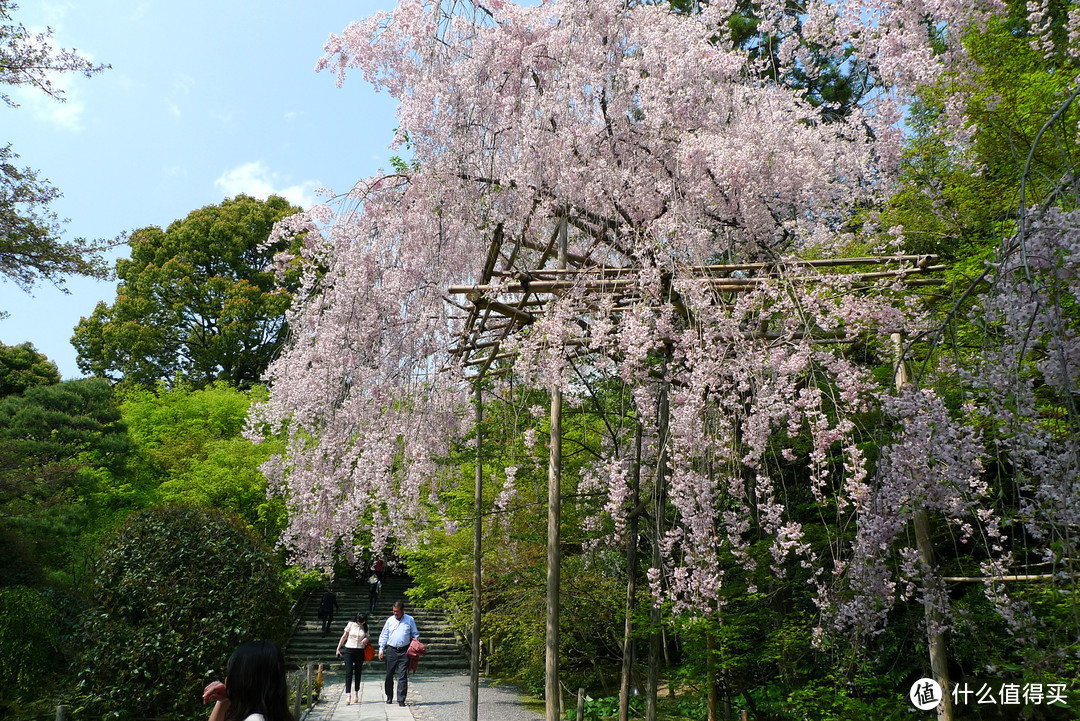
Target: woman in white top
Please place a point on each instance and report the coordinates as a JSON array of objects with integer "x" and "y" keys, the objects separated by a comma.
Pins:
[{"x": 355, "y": 639}]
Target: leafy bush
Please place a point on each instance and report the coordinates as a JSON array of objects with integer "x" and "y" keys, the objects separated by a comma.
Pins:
[
  {"x": 188, "y": 446},
  {"x": 297, "y": 581},
  {"x": 19, "y": 565},
  {"x": 27, "y": 641},
  {"x": 176, "y": 589}
]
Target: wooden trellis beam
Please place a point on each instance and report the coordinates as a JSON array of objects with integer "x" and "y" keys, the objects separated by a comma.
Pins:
[
  {"x": 723, "y": 284},
  {"x": 918, "y": 261},
  {"x": 521, "y": 316}
]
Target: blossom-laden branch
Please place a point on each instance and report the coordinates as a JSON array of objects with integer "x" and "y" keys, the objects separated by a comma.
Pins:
[{"x": 670, "y": 151}]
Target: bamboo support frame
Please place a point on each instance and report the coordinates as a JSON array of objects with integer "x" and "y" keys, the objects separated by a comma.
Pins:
[
  {"x": 725, "y": 284},
  {"x": 515, "y": 290}
]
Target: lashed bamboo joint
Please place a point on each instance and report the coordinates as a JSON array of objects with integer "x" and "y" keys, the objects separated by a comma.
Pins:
[{"x": 506, "y": 299}]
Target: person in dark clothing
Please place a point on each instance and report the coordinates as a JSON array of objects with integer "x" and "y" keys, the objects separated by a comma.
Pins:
[
  {"x": 255, "y": 686},
  {"x": 379, "y": 569},
  {"x": 374, "y": 586},
  {"x": 327, "y": 606}
]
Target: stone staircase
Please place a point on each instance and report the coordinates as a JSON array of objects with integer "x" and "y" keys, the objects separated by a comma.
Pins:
[{"x": 307, "y": 644}]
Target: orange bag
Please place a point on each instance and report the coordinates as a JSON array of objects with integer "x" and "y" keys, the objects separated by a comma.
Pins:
[{"x": 369, "y": 652}]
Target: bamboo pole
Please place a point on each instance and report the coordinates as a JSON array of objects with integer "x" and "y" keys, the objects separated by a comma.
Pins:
[
  {"x": 1003, "y": 579},
  {"x": 631, "y": 591},
  {"x": 918, "y": 261},
  {"x": 508, "y": 311},
  {"x": 710, "y": 671},
  {"x": 939, "y": 662},
  {"x": 478, "y": 527},
  {"x": 658, "y": 529},
  {"x": 722, "y": 285},
  {"x": 299, "y": 692},
  {"x": 553, "y": 693},
  {"x": 935, "y": 636}
]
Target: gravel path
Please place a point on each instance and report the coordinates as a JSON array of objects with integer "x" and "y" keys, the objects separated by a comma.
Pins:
[{"x": 445, "y": 697}]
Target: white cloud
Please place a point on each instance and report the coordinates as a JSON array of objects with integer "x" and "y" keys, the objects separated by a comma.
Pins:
[
  {"x": 65, "y": 115},
  {"x": 67, "y": 111},
  {"x": 139, "y": 12},
  {"x": 257, "y": 180},
  {"x": 56, "y": 13},
  {"x": 181, "y": 88}
]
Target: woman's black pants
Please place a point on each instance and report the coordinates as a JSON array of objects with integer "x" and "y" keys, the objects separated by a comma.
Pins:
[{"x": 354, "y": 663}]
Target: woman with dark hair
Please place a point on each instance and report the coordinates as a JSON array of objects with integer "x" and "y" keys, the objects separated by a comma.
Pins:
[
  {"x": 254, "y": 688},
  {"x": 355, "y": 639}
]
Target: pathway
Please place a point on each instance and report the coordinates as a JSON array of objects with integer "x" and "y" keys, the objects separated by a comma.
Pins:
[{"x": 432, "y": 697}]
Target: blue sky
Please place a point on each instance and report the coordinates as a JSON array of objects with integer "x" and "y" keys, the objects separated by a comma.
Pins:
[{"x": 204, "y": 100}]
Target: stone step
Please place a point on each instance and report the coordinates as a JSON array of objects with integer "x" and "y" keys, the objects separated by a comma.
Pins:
[{"x": 308, "y": 644}]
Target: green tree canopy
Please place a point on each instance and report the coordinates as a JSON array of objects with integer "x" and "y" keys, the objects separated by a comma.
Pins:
[
  {"x": 51, "y": 432},
  {"x": 195, "y": 301},
  {"x": 56, "y": 444},
  {"x": 189, "y": 445},
  {"x": 31, "y": 248},
  {"x": 175, "y": 590},
  {"x": 22, "y": 366}
]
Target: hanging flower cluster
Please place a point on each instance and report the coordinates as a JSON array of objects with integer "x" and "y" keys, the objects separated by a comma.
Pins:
[{"x": 664, "y": 148}]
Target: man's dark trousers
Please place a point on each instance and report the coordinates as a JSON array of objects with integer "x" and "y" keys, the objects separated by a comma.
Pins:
[{"x": 397, "y": 662}]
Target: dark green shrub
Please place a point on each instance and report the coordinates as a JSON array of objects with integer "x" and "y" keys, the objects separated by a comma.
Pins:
[
  {"x": 27, "y": 641},
  {"x": 175, "y": 590},
  {"x": 19, "y": 565}
]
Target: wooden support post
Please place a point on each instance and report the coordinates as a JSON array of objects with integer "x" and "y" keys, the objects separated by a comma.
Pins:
[
  {"x": 552, "y": 691},
  {"x": 631, "y": 590},
  {"x": 61, "y": 712},
  {"x": 310, "y": 700},
  {"x": 655, "y": 636},
  {"x": 580, "y": 704},
  {"x": 478, "y": 527},
  {"x": 710, "y": 671},
  {"x": 935, "y": 636},
  {"x": 299, "y": 694}
]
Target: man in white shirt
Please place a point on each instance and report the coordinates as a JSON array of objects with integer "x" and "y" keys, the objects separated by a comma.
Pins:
[{"x": 397, "y": 633}]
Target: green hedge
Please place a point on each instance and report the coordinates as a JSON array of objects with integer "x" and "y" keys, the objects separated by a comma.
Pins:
[
  {"x": 27, "y": 641},
  {"x": 175, "y": 590}
]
